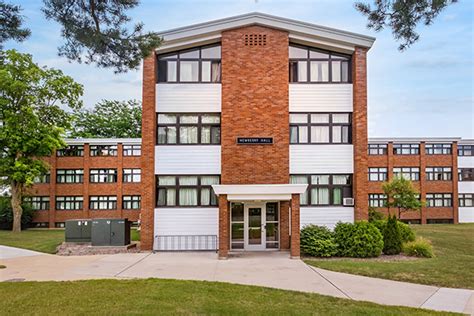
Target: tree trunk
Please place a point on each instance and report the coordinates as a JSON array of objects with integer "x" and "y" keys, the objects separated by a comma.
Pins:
[{"x": 16, "y": 189}]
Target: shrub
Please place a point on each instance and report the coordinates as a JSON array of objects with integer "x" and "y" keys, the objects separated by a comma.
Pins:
[
  {"x": 419, "y": 248},
  {"x": 359, "y": 240},
  {"x": 406, "y": 233},
  {"x": 318, "y": 241},
  {"x": 375, "y": 215},
  {"x": 392, "y": 240},
  {"x": 6, "y": 214}
]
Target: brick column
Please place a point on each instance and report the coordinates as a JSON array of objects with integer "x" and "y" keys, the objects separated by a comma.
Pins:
[
  {"x": 85, "y": 187},
  {"x": 52, "y": 190},
  {"x": 423, "y": 210},
  {"x": 454, "y": 169},
  {"x": 120, "y": 179},
  {"x": 359, "y": 133},
  {"x": 295, "y": 226},
  {"x": 148, "y": 152},
  {"x": 224, "y": 223},
  {"x": 284, "y": 225}
]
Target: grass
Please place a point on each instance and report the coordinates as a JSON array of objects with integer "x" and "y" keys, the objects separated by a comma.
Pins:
[
  {"x": 453, "y": 265},
  {"x": 42, "y": 240},
  {"x": 171, "y": 297}
]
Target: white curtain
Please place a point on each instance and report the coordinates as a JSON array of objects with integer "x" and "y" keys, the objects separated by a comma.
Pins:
[
  {"x": 216, "y": 72},
  {"x": 320, "y": 179},
  {"x": 189, "y": 71},
  {"x": 187, "y": 196},
  {"x": 171, "y": 197},
  {"x": 320, "y": 134},
  {"x": 320, "y": 196},
  {"x": 189, "y": 180},
  {"x": 188, "y": 134},
  {"x": 205, "y": 135},
  {"x": 205, "y": 196},
  {"x": 301, "y": 180},
  {"x": 303, "y": 134},
  {"x": 319, "y": 71},
  {"x": 339, "y": 179},
  {"x": 302, "y": 71}
]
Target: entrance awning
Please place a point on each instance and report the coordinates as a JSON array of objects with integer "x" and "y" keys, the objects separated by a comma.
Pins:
[{"x": 252, "y": 192}]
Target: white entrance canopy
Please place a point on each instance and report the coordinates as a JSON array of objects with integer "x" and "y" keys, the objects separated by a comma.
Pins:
[{"x": 256, "y": 192}]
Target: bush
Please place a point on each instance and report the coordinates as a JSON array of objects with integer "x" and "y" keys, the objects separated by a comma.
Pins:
[
  {"x": 406, "y": 233},
  {"x": 358, "y": 240},
  {"x": 419, "y": 248},
  {"x": 318, "y": 241},
  {"x": 375, "y": 215},
  {"x": 392, "y": 240},
  {"x": 6, "y": 214}
]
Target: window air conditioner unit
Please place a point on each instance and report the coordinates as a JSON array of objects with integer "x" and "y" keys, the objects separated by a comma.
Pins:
[{"x": 348, "y": 202}]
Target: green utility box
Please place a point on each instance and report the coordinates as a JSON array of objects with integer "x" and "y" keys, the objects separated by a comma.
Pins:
[
  {"x": 110, "y": 232},
  {"x": 78, "y": 230}
]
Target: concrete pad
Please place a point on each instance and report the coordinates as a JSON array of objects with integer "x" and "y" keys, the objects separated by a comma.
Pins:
[
  {"x": 12, "y": 252},
  {"x": 109, "y": 265},
  {"x": 379, "y": 291},
  {"x": 451, "y": 300}
]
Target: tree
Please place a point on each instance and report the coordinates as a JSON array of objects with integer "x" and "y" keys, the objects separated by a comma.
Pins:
[
  {"x": 110, "y": 119},
  {"x": 392, "y": 239},
  {"x": 402, "y": 16},
  {"x": 95, "y": 31},
  {"x": 11, "y": 24},
  {"x": 33, "y": 122},
  {"x": 401, "y": 194}
]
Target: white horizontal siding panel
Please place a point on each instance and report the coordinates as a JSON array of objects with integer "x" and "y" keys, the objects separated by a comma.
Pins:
[
  {"x": 465, "y": 162},
  {"x": 320, "y": 97},
  {"x": 465, "y": 187},
  {"x": 188, "y": 97},
  {"x": 326, "y": 216},
  {"x": 175, "y": 160},
  {"x": 466, "y": 214},
  {"x": 321, "y": 159}
]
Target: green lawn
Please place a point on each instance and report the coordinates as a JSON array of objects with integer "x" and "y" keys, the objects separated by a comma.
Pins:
[
  {"x": 42, "y": 240},
  {"x": 453, "y": 265},
  {"x": 171, "y": 297}
]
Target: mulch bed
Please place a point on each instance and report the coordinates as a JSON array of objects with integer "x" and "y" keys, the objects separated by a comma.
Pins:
[{"x": 85, "y": 249}]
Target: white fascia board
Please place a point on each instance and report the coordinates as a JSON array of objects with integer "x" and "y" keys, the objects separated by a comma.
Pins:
[
  {"x": 407, "y": 140},
  {"x": 466, "y": 142},
  {"x": 258, "y": 197},
  {"x": 170, "y": 46},
  {"x": 293, "y": 27},
  {"x": 259, "y": 189},
  {"x": 103, "y": 141}
]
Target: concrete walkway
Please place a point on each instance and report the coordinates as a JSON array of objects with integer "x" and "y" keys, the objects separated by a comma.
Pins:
[
  {"x": 273, "y": 269},
  {"x": 11, "y": 252}
]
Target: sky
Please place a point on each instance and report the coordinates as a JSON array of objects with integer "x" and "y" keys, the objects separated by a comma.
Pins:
[{"x": 426, "y": 91}]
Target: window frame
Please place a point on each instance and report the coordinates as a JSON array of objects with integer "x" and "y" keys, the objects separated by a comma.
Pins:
[
  {"x": 177, "y": 187},
  {"x": 414, "y": 173},
  {"x": 98, "y": 150},
  {"x": 200, "y": 60},
  {"x": 330, "y": 126},
  {"x": 44, "y": 178},
  {"x": 445, "y": 198},
  {"x": 330, "y": 186},
  {"x": 74, "y": 174},
  {"x": 411, "y": 147},
  {"x": 199, "y": 126},
  {"x": 133, "y": 199},
  {"x": 308, "y": 61},
  {"x": 463, "y": 197},
  {"x": 378, "y": 148},
  {"x": 379, "y": 172},
  {"x": 42, "y": 200},
  {"x": 109, "y": 199},
  {"x": 71, "y": 151},
  {"x": 131, "y": 150},
  {"x": 130, "y": 176},
  {"x": 109, "y": 172},
  {"x": 378, "y": 198},
  {"x": 467, "y": 171},
  {"x": 446, "y": 173},
  {"x": 463, "y": 149},
  {"x": 446, "y": 149},
  {"x": 76, "y": 200}
]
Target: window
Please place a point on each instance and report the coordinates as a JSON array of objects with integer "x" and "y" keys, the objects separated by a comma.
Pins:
[
  {"x": 103, "y": 150},
  {"x": 320, "y": 128},
  {"x": 438, "y": 174},
  {"x": 38, "y": 203},
  {"x": 408, "y": 173},
  {"x": 377, "y": 149},
  {"x": 378, "y": 174},
  {"x": 69, "y": 175},
  {"x": 186, "y": 190},
  {"x": 466, "y": 150},
  {"x": 69, "y": 202},
  {"x": 406, "y": 149},
  {"x": 71, "y": 151},
  {"x": 132, "y": 150},
  {"x": 466, "y": 200},
  {"x": 103, "y": 175},
  {"x": 466, "y": 174},
  {"x": 310, "y": 65},
  {"x": 439, "y": 200},
  {"x": 189, "y": 129},
  {"x": 131, "y": 202},
  {"x": 201, "y": 64},
  {"x": 132, "y": 175},
  {"x": 438, "y": 149},
  {"x": 377, "y": 200},
  {"x": 324, "y": 189},
  {"x": 439, "y": 221},
  {"x": 44, "y": 178},
  {"x": 104, "y": 202}
]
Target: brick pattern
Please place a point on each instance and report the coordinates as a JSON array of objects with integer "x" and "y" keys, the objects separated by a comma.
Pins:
[
  {"x": 284, "y": 225},
  {"x": 148, "y": 151},
  {"x": 255, "y": 104},
  {"x": 224, "y": 227},
  {"x": 86, "y": 189},
  {"x": 359, "y": 133},
  {"x": 295, "y": 226},
  {"x": 423, "y": 186}
]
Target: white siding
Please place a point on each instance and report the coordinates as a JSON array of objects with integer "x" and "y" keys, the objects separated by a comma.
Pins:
[
  {"x": 466, "y": 214},
  {"x": 465, "y": 162},
  {"x": 188, "y": 97},
  {"x": 326, "y": 216},
  {"x": 320, "y": 98},
  {"x": 187, "y": 159},
  {"x": 465, "y": 187},
  {"x": 321, "y": 159}
]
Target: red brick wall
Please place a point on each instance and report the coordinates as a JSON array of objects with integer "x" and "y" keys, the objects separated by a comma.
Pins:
[
  {"x": 421, "y": 161},
  {"x": 359, "y": 132},
  {"x": 255, "y": 104}
]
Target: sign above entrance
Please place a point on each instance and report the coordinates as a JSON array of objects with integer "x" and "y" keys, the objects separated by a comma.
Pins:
[{"x": 254, "y": 140}]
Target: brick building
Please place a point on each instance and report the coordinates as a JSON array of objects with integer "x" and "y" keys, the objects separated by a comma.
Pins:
[{"x": 253, "y": 126}]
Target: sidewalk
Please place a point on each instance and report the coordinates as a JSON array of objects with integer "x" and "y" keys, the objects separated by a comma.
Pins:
[{"x": 273, "y": 269}]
